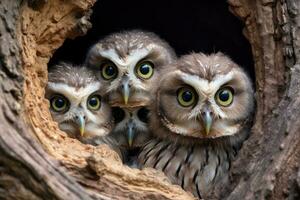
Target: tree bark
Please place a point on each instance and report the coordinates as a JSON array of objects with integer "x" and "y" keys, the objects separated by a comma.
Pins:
[
  {"x": 268, "y": 164},
  {"x": 38, "y": 161}
]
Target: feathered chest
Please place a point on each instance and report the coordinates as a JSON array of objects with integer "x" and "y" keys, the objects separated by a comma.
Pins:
[{"x": 195, "y": 167}]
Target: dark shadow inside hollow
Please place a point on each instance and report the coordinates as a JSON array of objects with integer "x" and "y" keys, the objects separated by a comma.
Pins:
[{"x": 189, "y": 26}]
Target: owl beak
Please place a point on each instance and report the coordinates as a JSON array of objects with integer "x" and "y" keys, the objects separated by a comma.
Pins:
[
  {"x": 207, "y": 119},
  {"x": 125, "y": 91},
  {"x": 130, "y": 133},
  {"x": 80, "y": 120}
]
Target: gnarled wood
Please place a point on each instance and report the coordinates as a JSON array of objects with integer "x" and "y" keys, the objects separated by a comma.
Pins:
[
  {"x": 26, "y": 171},
  {"x": 78, "y": 174},
  {"x": 38, "y": 161},
  {"x": 268, "y": 164}
]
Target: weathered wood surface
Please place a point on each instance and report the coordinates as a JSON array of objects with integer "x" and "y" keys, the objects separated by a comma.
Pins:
[
  {"x": 37, "y": 161},
  {"x": 268, "y": 164}
]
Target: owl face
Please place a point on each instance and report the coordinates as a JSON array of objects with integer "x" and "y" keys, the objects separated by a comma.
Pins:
[
  {"x": 131, "y": 130},
  {"x": 129, "y": 64},
  {"x": 76, "y": 102},
  {"x": 204, "y": 97}
]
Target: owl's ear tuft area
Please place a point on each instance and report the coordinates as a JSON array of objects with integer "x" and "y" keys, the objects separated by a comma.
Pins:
[{"x": 39, "y": 161}]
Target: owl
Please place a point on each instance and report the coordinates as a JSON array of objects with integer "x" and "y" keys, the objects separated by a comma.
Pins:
[
  {"x": 77, "y": 103},
  {"x": 130, "y": 123},
  {"x": 131, "y": 132},
  {"x": 201, "y": 116},
  {"x": 129, "y": 65}
]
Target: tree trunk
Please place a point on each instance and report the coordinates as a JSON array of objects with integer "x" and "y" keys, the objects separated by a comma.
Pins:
[{"x": 38, "y": 161}]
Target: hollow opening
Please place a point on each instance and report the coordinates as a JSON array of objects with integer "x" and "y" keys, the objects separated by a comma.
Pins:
[{"x": 192, "y": 26}]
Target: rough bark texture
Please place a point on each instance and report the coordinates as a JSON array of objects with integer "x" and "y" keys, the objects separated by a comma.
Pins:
[
  {"x": 37, "y": 161},
  {"x": 268, "y": 164},
  {"x": 26, "y": 171},
  {"x": 30, "y": 33}
]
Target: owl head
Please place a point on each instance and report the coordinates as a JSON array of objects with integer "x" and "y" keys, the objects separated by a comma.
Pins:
[
  {"x": 129, "y": 65},
  {"x": 76, "y": 102},
  {"x": 202, "y": 96},
  {"x": 131, "y": 130}
]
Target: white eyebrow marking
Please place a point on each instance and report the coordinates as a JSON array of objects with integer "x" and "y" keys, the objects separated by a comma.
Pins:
[
  {"x": 69, "y": 91},
  {"x": 132, "y": 59},
  {"x": 203, "y": 86}
]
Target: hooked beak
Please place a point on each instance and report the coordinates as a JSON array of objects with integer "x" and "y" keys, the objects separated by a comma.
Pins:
[
  {"x": 130, "y": 133},
  {"x": 80, "y": 121},
  {"x": 207, "y": 120},
  {"x": 125, "y": 90}
]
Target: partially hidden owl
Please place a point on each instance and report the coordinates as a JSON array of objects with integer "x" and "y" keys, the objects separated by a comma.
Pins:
[
  {"x": 77, "y": 103},
  {"x": 131, "y": 131},
  {"x": 129, "y": 65},
  {"x": 201, "y": 116}
]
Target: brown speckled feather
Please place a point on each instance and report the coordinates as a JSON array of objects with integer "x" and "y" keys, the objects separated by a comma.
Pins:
[
  {"x": 125, "y": 51},
  {"x": 127, "y": 41},
  {"x": 181, "y": 148},
  {"x": 194, "y": 167},
  {"x": 73, "y": 76},
  {"x": 75, "y": 85}
]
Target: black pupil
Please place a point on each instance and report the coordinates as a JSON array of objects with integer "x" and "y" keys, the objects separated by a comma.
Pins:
[
  {"x": 224, "y": 95},
  {"x": 143, "y": 114},
  {"x": 118, "y": 114},
  {"x": 93, "y": 101},
  {"x": 59, "y": 103},
  {"x": 187, "y": 96},
  {"x": 110, "y": 70},
  {"x": 145, "y": 69}
]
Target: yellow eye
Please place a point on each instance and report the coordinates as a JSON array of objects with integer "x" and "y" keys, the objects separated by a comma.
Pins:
[
  {"x": 224, "y": 96},
  {"x": 109, "y": 70},
  {"x": 186, "y": 96},
  {"x": 59, "y": 103},
  {"x": 94, "y": 102},
  {"x": 145, "y": 69}
]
